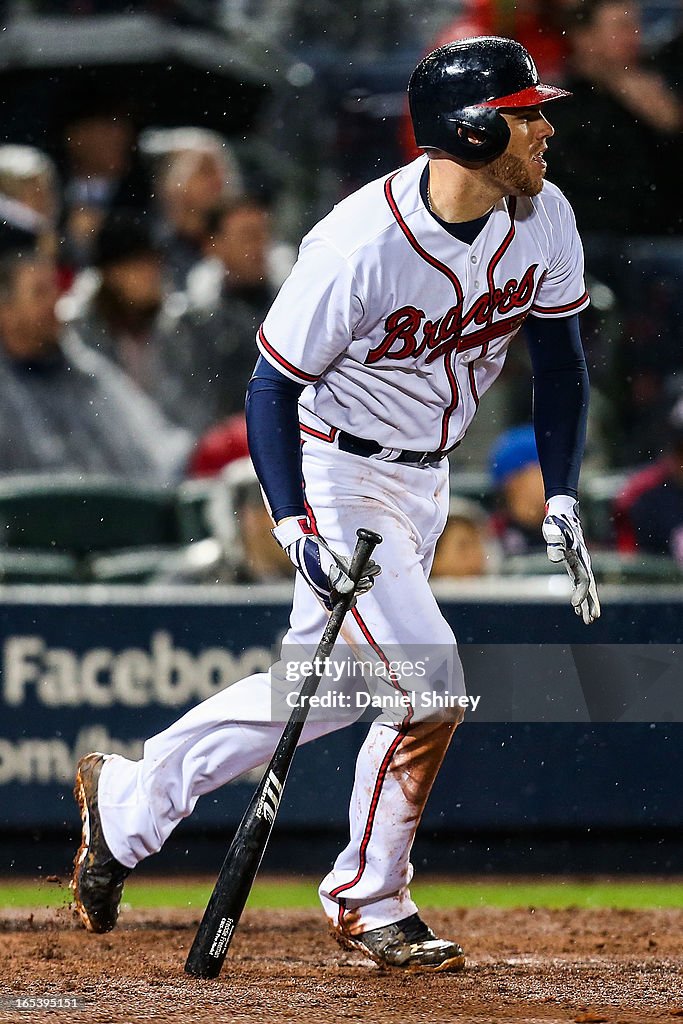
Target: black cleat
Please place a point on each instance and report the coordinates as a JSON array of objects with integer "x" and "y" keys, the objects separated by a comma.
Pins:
[
  {"x": 97, "y": 880},
  {"x": 408, "y": 944}
]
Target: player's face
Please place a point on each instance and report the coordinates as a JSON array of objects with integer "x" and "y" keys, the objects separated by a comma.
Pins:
[{"x": 521, "y": 168}]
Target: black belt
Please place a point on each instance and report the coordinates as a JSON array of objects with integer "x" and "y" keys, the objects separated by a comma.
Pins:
[{"x": 361, "y": 446}]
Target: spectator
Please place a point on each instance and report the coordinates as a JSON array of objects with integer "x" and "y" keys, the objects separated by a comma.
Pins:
[
  {"x": 238, "y": 267},
  {"x": 194, "y": 174},
  {"x": 119, "y": 308},
  {"x": 229, "y": 294},
  {"x": 195, "y": 368},
  {"x": 257, "y": 557},
  {"x": 29, "y": 177},
  {"x": 65, "y": 407},
  {"x": 466, "y": 547},
  {"x": 648, "y": 513},
  {"x": 618, "y": 145},
  {"x": 649, "y": 357},
  {"x": 516, "y": 476},
  {"x": 29, "y": 196},
  {"x": 102, "y": 170}
]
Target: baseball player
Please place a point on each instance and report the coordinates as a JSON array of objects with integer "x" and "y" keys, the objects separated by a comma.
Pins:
[{"x": 394, "y": 321}]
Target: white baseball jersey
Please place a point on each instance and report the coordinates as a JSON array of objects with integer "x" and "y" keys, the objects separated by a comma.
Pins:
[{"x": 400, "y": 327}]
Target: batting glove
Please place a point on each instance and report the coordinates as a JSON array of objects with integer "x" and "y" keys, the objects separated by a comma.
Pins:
[
  {"x": 324, "y": 570},
  {"x": 563, "y": 534}
]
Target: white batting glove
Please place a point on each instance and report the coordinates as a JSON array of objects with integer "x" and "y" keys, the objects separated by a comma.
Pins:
[
  {"x": 563, "y": 534},
  {"x": 324, "y": 570}
]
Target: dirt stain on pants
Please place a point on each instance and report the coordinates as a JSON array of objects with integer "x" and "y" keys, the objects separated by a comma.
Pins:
[{"x": 417, "y": 761}]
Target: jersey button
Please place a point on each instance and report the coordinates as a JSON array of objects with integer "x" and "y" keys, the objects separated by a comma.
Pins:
[{"x": 473, "y": 259}]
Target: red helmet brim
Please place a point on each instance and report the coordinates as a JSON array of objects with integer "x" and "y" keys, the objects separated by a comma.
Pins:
[{"x": 530, "y": 97}]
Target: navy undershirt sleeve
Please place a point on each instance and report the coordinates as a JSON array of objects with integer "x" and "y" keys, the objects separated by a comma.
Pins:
[
  {"x": 274, "y": 439},
  {"x": 561, "y": 392}
]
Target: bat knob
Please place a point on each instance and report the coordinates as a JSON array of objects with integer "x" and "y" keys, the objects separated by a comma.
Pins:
[{"x": 369, "y": 536}]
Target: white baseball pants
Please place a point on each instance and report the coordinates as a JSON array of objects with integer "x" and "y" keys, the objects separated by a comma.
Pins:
[{"x": 233, "y": 731}]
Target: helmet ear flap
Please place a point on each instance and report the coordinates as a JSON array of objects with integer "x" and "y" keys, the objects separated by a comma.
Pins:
[
  {"x": 476, "y": 134},
  {"x": 470, "y": 134}
]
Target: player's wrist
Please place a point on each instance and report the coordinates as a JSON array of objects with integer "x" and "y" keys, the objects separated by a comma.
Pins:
[
  {"x": 291, "y": 529},
  {"x": 561, "y": 505}
]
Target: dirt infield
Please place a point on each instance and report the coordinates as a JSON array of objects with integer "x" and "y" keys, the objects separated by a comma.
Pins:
[{"x": 530, "y": 965}]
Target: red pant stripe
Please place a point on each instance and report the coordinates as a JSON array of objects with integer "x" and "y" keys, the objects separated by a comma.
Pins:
[{"x": 383, "y": 769}]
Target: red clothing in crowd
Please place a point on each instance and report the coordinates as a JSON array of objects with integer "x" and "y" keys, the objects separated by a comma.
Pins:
[
  {"x": 648, "y": 514},
  {"x": 219, "y": 446}
]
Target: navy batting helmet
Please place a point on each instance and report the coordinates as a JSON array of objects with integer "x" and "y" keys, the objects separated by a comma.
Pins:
[{"x": 457, "y": 91}]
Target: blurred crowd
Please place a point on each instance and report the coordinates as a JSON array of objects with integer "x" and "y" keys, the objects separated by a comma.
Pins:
[
  {"x": 133, "y": 278},
  {"x": 137, "y": 264}
]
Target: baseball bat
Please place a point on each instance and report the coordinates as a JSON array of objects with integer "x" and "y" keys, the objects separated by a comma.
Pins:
[{"x": 236, "y": 877}]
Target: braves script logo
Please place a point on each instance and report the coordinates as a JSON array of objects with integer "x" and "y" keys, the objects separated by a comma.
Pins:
[
  {"x": 407, "y": 336},
  {"x": 270, "y": 798}
]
